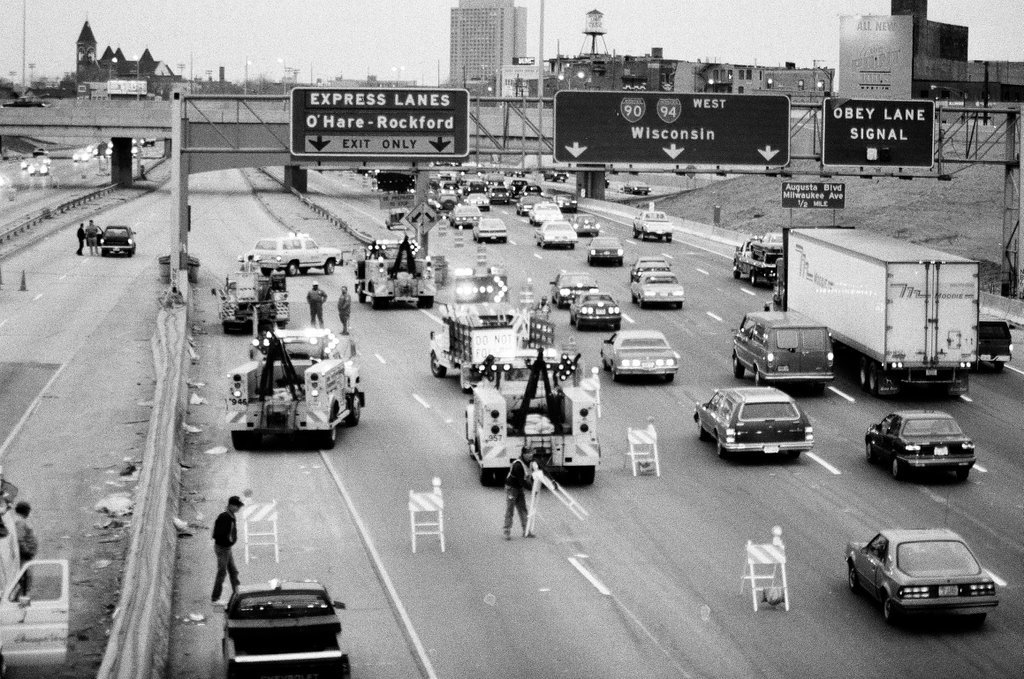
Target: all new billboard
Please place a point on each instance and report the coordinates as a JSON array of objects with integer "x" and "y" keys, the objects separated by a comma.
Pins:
[{"x": 876, "y": 55}]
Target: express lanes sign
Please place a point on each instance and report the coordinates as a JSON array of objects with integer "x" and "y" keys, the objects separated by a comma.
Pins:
[
  {"x": 671, "y": 128},
  {"x": 878, "y": 132},
  {"x": 408, "y": 123}
]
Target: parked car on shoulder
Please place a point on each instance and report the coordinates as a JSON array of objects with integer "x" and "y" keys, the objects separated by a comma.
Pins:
[
  {"x": 556, "y": 233},
  {"x": 746, "y": 420},
  {"x": 490, "y": 229},
  {"x": 546, "y": 212},
  {"x": 644, "y": 265},
  {"x": 658, "y": 287},
  {"x": 525, "y": 203},
  {"x": 295, "y": 253},
  {"x": 586, "y": 225},
  {"x": 995, "y": 343},
  {"x": 604, "y": 250},
  {"x": 652, "y": 224},
  {"x": 908, "y": 440},
  {"x": 595, "y": 309},
  {"x": 922, "y": 572},
  {"x": 636, "y": 188},
  {"x": 639, "y": 352},
  {"x": 568, "y": 284},
  {"x": 782, "y": 346},
  {"x": 117, "y": 240},
  {"x": 465, "y": 216}
]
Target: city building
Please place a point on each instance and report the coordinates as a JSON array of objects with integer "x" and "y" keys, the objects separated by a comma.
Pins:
[
  {"x": 485, "y": 36},
  {"x": 112, "y": 75}
]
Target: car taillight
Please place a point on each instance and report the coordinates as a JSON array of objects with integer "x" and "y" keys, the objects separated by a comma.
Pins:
[
  {"x": 981, "y": 589},
  {"x": 912, "y": 448},
  {"x": 831, "y": 357},
  {"x": 967, "y": 445},
  {"x": 730, "y": 435},
  {"x": 770, "y": 357},
  {"x": 808, "y": 433},
  {"x": 913, "y": 592}
]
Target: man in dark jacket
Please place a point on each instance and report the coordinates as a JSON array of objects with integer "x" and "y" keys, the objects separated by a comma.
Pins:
[
  {"x": 81, "y": 238},
  {"x": 316, "y": 298},
  {"x": 518, "y": 481},
  {"x": 344, "y": 309},
  {"x": 225, "y": 534}
]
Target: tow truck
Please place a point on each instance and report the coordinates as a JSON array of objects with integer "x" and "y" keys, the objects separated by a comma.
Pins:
[
  {"x": 249, "y": 293},
  {"x": 389, "y": 272},
  {"x": 756, "y": 258},
  {"x": 508, "y": 415},
  {"x": 298, "y": 382}
]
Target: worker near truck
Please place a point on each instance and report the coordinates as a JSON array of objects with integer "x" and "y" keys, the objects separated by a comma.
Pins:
[
  {"x": 225, "y": 534},
  {"x": 344, "y": 309},
  {"x": 316, "y": 298},
  {"x": 518, "y": 481}
]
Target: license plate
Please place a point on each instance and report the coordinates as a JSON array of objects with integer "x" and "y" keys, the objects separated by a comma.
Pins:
[
  {"x": 931, "y": 372},
  {"x": 783, "y": 368},
  {"x": 941, "y": 450},
  {"x": 949, "y": 590},
  {"x": 647, "y": 364},
  {"x": 771, "y": 449},
  {"x": 601, "y": 311}
]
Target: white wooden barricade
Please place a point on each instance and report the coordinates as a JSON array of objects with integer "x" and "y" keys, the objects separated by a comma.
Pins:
[
  {"x": 642, "y": 455},
  {"x": 542, "y": 479},
  {"x": 766, "y": 563},
  {"x": 259, "y": 528},
  {"x": 431, "y": 503}
]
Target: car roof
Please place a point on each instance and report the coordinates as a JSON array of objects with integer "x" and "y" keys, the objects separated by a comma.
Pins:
[
  {"x": 922, "y": 414},
  {"x": 601, "y": 240},
  {"x": 898, "y": 535},
  {"x": 641, "y": 334},
  {"x": 758, "y": 394},
  {"x": 558, "y": 223},
  {"x": 784, "y": 318},
  {"x": 588, "y": 295}
]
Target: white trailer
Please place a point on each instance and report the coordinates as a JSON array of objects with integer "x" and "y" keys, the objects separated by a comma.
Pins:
[{"x": 910, "y": 312}]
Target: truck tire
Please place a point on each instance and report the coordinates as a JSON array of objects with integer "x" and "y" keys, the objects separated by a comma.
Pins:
[
  {"x": 292, "y": 269},
  {"x": 325, "y": 439},
  {"x": 737, "y": 367},
  {"x": 425, "y": 302},
  {"x": 489, "y": 477},
  {"x": 735, "y": 272},
  {"x": 585, "y": 476},
  {"x": 355, "y": 409},
  {"x": 379, "y": 302},
  {"x": 436, "y": 369},
  {"x": 329, "y": 267},
  {"x": 873, "y": 378},
  {"x": 245, "y": 440}
]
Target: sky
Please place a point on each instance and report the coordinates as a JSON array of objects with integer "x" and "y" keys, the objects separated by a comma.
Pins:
[{"x": 408, "y": 39}]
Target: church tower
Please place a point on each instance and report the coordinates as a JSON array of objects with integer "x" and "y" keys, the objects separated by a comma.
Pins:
[{"x": 85, "y": 52}]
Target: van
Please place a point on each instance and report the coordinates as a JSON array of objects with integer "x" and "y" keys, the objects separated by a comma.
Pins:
[
  {"x": 995, "y": 343},
  {"x": 783, "y": 346}
]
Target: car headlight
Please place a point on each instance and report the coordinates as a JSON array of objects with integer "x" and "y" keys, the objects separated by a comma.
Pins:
[
  {"x": 277, "y": 257},
  {"x": 131, "y": 242},
  {"x": 660, "y": 362},
  {"x": 563, "y": 291},
  {"x": 593, "y": 252},
  {"x": 670, "y": 362},
  {"x": 770, "y": 357},
  {"x": 619, "y": 251}
]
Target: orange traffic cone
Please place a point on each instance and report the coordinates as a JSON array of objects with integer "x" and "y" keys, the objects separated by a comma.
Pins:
[{"x": 23, "y": 288}]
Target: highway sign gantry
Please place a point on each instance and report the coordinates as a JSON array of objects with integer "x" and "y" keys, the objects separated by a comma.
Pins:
[
  {"x": 374, "y": 123},
  {"x": 671, "y": 128},
  {"x": 878, "y": 132}
]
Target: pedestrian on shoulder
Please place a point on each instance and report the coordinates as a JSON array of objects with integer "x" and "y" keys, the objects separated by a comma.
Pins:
[
  {"x": 316, "y": 298},
  {"x": 92, "y": 236},
  {"x": 225, "y": 534},
  {"x": 27, "y": 545},
  {"x": 517, "y": 483},
  {"x": 344, "y": 309},
  {"x": 81, "y": 238}
]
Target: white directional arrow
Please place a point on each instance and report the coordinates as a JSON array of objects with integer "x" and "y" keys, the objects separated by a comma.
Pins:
[
  {"x": 575, "y": 149},
  {"x": 768, "y": 152},
  {"x": 672, "y": 151}
]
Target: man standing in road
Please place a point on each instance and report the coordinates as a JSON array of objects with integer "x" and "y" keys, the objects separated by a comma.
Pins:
[
  {"x": 92, "y": 235},
  {"x": 81, "y": 238},
  {"x": 344, "y": 309},
  {"x": 225, "y": 534},
  {"x": 316, "y": 298},
  {"x": 518, "y": 481}
]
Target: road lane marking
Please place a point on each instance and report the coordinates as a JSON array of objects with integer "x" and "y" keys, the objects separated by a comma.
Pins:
[
  {"x": 980, "y": 468},
  {"x": 31, "y": 408},
  {"x": 598, "y": 585},
  {"x": 965, "y": 397},
  {"x": 37, "y": 297},
  {"x": 749, "y": 292},
  {"x": 537, "y": 256},
  {"x": 1016, "y": 370},
  {"x": 628, "y": 319},
  {"x": 706, "y": 273},
  {"x": 714, "y": 316},
  {"x": 431, "y": 316},
  {"x": 633, "y": 242},
  {"x": 62, "y": 277},
  {"x": 381, "y": 359},
  {"x": 824, "y": 464},
  {"x": 512, "y": 242},
  {"x": 420, "y": 400},
  {"x": 998, "y": 580},
  {"x": 382, "y": 574},
  {"x": 844, "y": 395},
  {"x": 667, "y": 256},
  {"x": 4, "y": 322}
]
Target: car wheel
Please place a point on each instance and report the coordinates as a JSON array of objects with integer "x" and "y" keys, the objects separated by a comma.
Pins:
[
  {"x": 617, "y": 326},
  {"x": 976, "y": 620},
  {"x": 590, "y": 261},
  {"x": 701, "y": 434},
  {"x": 758, "y": 378},
  {"x": 615, "y": 373},
  {"x": 668, "y": 239},
  {"x": 572, "y": 320},
  {"x": 720, "y": 449},
  {"x": 962, "y": 474},
  {"x": 735, "y": 273},
  {"x": 889, "y": 611},
  {"x": 292, "y": 269},
  {"x": 354, "y": 411},
  {"x": 869, "y": 452},
  {"x": 436, "y": 369},
  {"x": 998, "y": 367},
  {"x": 737, "y": 367},
  {"x": 605, "y": 364},
  {"x": 329, "y": 267},
  {"x": 851, "y": 577},
  {"x": 898, "y": 473},
  {"x": 669, "y": 377}
]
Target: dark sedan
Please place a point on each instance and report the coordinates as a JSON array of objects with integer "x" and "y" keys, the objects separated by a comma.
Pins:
[
  {"x": 605, "y": 250},
  {"x": 921, "y": 572},
  {"x": 117, "y": 240},
  {"x": 754, "y": 420},
  {"x": 585, "y": 225},
  {"x": 920, "y": 439},
  {"x": 595, "y": 309}
]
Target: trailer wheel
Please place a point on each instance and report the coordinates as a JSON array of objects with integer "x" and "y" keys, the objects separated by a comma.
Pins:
[
  {"x": 245, "y": 440},
  {"x": 736, "y": 273},
  {"x": 436, "y": 369},
  {"x": 862, "y": 374},
  {"x": 585, "y": 476},
  {"x": 873, "y": 379}
]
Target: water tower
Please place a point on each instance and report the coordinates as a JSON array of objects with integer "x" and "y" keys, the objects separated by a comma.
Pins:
[{"x": 594, "y": 28}]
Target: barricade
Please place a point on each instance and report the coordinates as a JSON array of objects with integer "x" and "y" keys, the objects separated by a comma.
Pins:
[
  {"x": 766, "y": 563},
  {"x": 259, "y": 528},
  {"x": 642, "y": 455},
  {"x": 541, "y": 479},
  {"x": 431, "y": 503}
]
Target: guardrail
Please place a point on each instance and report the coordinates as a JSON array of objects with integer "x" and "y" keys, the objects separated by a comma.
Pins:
[
  {"x": 324, "y": 213},
  {"x": 49, "y": 212}
]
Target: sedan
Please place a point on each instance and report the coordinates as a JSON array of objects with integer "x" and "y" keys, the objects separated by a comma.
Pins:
[
  {"x": 565, "y": 202},
  {"x": 644, "y": 264},
  {"x": 760, "y": 420},
  {"x": 479, "y": 201},
  {"x": 639, "y": 352},
  {"x": 586, "y": 225},
  {"x": 657, "y": 287},
  {"x": 605, "y": 250},
  {"x": 465, "y": 216},
  {"x": 921, "y": 572},
  {"x": 568, "y": 284},
  {"x": 499, "y": 195},
  {"x": 920, "y": 439},
  {"x": 546, "y": 212},
  {"x": 526, "y": 202},
  {"x": 636, "y": 188},
  {"x": 595, "y": 309},
  {"x": 490, "y": 229},
  {"x": 117, "y": 240},
  {"x": 555, "y": 234}
]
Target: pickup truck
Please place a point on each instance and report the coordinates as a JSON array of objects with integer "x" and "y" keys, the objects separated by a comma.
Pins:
[
  {"x": 756, "y": 259},
  {"x": 652, "y": 224},
  {"x": 283, "y": 629}
]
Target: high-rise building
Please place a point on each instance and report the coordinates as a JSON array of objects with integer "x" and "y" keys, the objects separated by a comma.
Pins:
[{"x": 486, "y": 35}]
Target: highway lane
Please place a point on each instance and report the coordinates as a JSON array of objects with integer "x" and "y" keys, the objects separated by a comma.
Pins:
[{"x": 663, "y": 548}]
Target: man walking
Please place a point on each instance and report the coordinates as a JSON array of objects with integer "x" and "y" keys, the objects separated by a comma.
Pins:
[
  {"x": 517, "y": 483},
  {"x": 344, "y": 309},
  {"x": 81, "y": 238},
  {"x": 225, "y": 534},
  {"x": 27, "y": 545},
  {"x": 316, "y": 298}
]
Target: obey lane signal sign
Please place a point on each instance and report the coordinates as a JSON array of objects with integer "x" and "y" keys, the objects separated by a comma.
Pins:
[
  {"x": 878, "y": 133},
  {"x": 368, "y": 123}
]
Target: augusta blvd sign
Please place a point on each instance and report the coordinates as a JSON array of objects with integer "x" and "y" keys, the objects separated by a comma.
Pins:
[
  {"x": 671, "y": 128},
  {"x": 412, "y": 124},
  {"x": 878, "y": 133},
  {"x": 829, "y": 195}
]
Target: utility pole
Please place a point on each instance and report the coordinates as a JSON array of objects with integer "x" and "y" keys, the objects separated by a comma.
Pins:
[
  {"x": 540, "y": 90},
  {"x": 23, "y": 10}
]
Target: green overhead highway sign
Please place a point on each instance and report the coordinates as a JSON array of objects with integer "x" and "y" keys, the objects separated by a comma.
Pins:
[
  {"x": 671, "y": 128},
  {"x": 363, "y": 123},
  {"x": 878, "y": 132}
]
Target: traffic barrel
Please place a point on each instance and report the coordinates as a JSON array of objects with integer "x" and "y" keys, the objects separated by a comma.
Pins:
[{"x": 23, "y": 287}]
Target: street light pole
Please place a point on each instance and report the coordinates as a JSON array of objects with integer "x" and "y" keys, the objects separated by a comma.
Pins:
[{"x": 23, "y": 11}]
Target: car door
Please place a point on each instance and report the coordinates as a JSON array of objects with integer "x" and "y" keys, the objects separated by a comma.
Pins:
[
  {"x": 789, "y": 356},
  {"x": 608, "y": 351},
  {"x": 741, "y": 341},
  {"x": 707, "y": 412},
  {"x": 888, "y": 436},
  {"x": 873, "y": 573},
  {"x": 310, "y": 253},
  {"x": 34, "y": 618}
]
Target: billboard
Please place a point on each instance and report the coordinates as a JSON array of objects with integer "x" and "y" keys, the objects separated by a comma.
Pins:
[
  {"x": 129, "y": 87},
  {"x": 876, "y": 55}
]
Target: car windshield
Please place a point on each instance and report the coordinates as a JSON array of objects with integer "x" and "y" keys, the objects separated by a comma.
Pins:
[
  {"x": 604, "y": 243},
  {"x": 993, "y": 331},
  {"x": 644, "y": 343},
  {"x": 661, "y": 279},
  {"x": 774, "y": 410},
  {"x": 266, "y": 244},
  {"x": 578, "y": 280},
  {"x": 594, "y": 299},
  {"x": 930, "y": 426},
  {"x": 936, "y": 559},
  {"x": 281, "y": 605},
  {"x": 115, "y": 231},
  {"x": 812, "y": 339}
]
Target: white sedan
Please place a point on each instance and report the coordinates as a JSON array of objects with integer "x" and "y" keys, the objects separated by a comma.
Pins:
[
  {"x": 545, "y": 212},
  {"x": 557, "y": 233}
]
